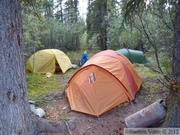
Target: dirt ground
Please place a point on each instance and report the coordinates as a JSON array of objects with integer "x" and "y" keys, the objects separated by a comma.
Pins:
[{"x": 109, "y": 123}]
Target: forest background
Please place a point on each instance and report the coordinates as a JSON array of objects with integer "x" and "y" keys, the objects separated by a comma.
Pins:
[{"x": 50, "y": 24}]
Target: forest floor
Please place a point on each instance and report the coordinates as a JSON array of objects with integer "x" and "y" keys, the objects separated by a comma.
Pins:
[{"x": 109, "y": 123}]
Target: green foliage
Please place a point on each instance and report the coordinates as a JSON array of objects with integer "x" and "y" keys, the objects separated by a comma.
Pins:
[
  {"x": 52, "y": 34},
  {"x": 94, "y": 39},
  {"x": 166, "y": 61},
  {"x": 41, "y": 30},
  {"x": 31, "y": 33},
  {"x": 97, "y": 24},
  {"x": 83, "y": 39}
]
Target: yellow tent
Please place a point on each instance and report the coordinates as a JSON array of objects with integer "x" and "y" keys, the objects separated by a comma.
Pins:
[
  {"x": 103, "y": 82},
  {"x": 48, "y": 60}
]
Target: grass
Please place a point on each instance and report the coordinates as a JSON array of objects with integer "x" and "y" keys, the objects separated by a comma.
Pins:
[
  {"x": 151, "y": 86},
  {"x": 39, "y": 85},
  {"x": 66, "y": 118},
  {"x": 144, "y": 71}
]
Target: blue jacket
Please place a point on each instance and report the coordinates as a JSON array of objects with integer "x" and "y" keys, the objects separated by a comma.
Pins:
[{"x": 84, "y": 57}]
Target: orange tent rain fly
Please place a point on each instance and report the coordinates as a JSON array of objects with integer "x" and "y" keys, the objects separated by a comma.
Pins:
[{"x": 106, "y": 80}]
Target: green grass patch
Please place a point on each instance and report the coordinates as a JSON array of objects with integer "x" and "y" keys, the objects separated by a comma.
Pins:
[
  {"x": 39, "y": 86},
  {"x": 144, "y": 71}
]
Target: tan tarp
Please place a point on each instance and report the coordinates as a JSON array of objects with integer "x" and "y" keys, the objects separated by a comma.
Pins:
[
  {"x": 106, "y": 80},
  {"x": 45, "y": 61}
]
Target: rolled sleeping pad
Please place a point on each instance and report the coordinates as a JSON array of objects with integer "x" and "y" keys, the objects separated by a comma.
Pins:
[{"x": 147, "y": 116}]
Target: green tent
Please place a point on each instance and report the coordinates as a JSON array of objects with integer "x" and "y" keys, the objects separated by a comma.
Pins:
[{"x": 135, "y": 56}]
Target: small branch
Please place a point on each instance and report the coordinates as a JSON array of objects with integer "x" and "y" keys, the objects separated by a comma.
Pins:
[{"x": 69, "y": 131}]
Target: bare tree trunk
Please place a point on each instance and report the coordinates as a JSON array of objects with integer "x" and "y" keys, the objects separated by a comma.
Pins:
[
  {"x": 15, "y": 115},
  {"x": 173, "y": 100},
  {"x": 14, "y": 111}
]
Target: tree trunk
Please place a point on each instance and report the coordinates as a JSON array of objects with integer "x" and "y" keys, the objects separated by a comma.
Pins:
[
  {"x": 14, "y": 112},
  {"x": 76, "y": 10},
  {"x": 15, "y": 115},
  {"x": 173, "y": 100},
  {"x": 102, "y": 17},
  {"x": 173, "y": 103}
]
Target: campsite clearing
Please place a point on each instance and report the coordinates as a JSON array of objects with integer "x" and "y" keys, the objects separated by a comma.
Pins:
[{"x": 110, "y": 122}]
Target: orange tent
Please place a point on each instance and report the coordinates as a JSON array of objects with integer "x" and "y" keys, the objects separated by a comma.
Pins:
[{"x": 103, "y": 82}]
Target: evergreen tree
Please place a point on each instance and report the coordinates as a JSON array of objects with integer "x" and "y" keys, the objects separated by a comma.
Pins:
[
  {"x": 59, "y": 14},
  {"x": 71, "y": 18},
  {"x": 48, "y": 8},
  {"x": 98, "y": 23}
]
